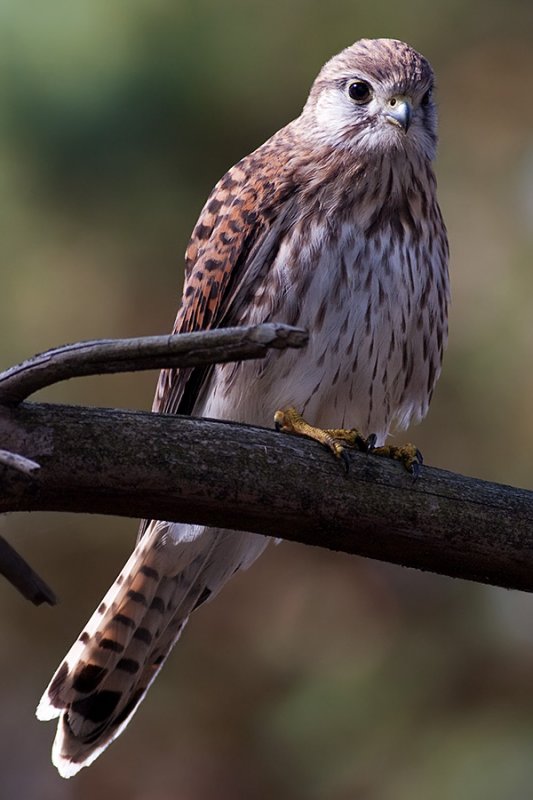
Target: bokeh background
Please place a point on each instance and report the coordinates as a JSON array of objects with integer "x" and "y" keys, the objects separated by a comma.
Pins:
[{"x": 314, "y": 676}]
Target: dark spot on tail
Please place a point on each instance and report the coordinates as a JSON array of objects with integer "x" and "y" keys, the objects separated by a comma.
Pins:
[
  {"x": 157, "y": 605},
  {"x": 58, "y": 681},
  {"x": 98, "y": 707},
  {"x": 88, "y": 678},
  {"x": 159, "y": 660},
  {"x": 150, "y": 572},
  {"x": 124, "y": 620},
  {"x": 128, "y": 665},
  {"x": 137, "y": 597},
  {"x": 111, "y": 644},
  {"x": 143, "y": 635},
  {"x": 84, "y": 637}
]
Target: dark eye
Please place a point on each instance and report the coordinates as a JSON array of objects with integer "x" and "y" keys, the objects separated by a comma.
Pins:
[
  {"x": 425, "y": 100},
  {"x": 360, "y": 91}
]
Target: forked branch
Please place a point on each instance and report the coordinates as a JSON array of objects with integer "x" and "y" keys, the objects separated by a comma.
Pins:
[{"x": 109, "y": 356}]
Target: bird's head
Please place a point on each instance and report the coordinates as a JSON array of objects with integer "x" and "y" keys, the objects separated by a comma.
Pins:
[{"x": 374, "y": 97}]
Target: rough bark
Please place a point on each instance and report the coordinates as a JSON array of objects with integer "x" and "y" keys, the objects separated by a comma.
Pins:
[{"x": 178, "y": 468}]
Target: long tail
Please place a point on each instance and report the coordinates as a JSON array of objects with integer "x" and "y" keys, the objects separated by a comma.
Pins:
[{"x": 109, "y": 669}]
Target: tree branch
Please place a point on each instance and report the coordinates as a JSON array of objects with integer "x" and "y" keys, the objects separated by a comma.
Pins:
[
  {"x": 19, "y": 573},
  {"x": 16, "y": 461},
  {"x": 149, "y": 352},
  {"x": 120, "y": 355},
  {"x": 216, "y": 473}
]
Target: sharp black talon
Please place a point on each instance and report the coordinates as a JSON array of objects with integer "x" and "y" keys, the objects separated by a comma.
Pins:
[
  {"x": 419, "y": 456},
  {"x": 346, "y": 459},
  {"x": 370, "y": 442},
  {"x": 415, "y": 469},
  {"x": 277, "y": 426}
]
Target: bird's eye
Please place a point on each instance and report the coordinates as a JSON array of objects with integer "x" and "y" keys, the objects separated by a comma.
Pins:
[
  {"x": 426, "y": 98},
  {"x": 360, "y": 91}
]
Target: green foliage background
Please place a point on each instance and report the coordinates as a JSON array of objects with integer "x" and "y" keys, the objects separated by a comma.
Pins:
[{"x": 314, "y": 676}]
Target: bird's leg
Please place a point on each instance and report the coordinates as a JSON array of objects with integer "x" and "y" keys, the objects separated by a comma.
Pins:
[
  {"x": 289, "y": 420},
  {"x": 407, "y": 454}
]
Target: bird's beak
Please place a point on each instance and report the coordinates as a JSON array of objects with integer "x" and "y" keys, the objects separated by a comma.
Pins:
[{"x": 399, "y": 111}]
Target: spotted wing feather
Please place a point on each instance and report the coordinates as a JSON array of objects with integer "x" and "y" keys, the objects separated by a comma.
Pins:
[{"x": 232, "y": 246}]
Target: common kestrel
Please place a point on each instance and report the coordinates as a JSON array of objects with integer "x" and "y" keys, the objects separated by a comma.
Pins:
[{"x": 332, "y": 225}]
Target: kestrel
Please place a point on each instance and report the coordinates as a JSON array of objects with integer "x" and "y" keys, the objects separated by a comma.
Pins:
[{"x": 332, "y": 225}]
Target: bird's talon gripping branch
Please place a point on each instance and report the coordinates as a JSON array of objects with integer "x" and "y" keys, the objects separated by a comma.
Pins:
[
  {"x": 371, "y": 442},
  {"x": 409, "y": 455},
  {"x": 345, "y": 459},
  {"x": 348, "y": 437},
  {"x": 290, "y": 420}
]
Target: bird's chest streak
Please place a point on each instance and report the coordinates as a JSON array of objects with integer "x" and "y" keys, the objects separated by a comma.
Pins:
[{"x": 361, "y": 307}]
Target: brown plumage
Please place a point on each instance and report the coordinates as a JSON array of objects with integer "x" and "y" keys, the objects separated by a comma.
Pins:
[{"x": 332, "y": 224}]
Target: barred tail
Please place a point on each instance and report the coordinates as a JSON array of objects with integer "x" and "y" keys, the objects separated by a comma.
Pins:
[{"x": 108, "y": 670}]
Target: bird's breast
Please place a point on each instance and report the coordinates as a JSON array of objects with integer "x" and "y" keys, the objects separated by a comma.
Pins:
[{"x": 370, "y": 304}]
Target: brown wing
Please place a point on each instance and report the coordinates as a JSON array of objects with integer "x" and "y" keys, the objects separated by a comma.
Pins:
[{"x": 232, "y": 245}]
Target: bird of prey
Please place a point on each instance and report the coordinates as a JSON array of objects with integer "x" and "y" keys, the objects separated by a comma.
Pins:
[{"x": 332, "y": 225}]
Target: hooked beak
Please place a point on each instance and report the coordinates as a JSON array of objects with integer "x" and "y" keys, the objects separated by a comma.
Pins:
[{"x": 399, "y": 111}]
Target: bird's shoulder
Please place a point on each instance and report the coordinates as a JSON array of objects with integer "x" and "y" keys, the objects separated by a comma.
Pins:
[
  {"x": 249, "y": 194},
  {"x": 239, "y": 220}
]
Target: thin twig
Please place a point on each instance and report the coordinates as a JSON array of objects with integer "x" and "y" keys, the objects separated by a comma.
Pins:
[
  {"x": 18, "y": 462},
  {"x": 149, "y": 352},
  {"x": 19, "y": 573},
  {"x": 110, "y": 356}
]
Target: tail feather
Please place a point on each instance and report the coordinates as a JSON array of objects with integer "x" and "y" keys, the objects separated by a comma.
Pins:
[
  {"x": 90, "y": 724},
  {"x": 110, "y": 667}
]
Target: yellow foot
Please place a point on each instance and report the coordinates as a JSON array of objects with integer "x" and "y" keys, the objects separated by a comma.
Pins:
[
  {"x": 335, "y": 439},
  {"x": 409, "y": 455}
]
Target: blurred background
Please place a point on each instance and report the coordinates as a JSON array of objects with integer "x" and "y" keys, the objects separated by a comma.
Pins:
[{"x": 315, "y": 675}]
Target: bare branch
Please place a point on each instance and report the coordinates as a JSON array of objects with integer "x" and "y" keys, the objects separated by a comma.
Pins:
[
  {"x": 13, "y": 460},
  {"x": 176, "y": 468},
  {"x": 121, "y": 355},
  {"x": 149, "y": 352},
  {"x": 19, "y": 573}
]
